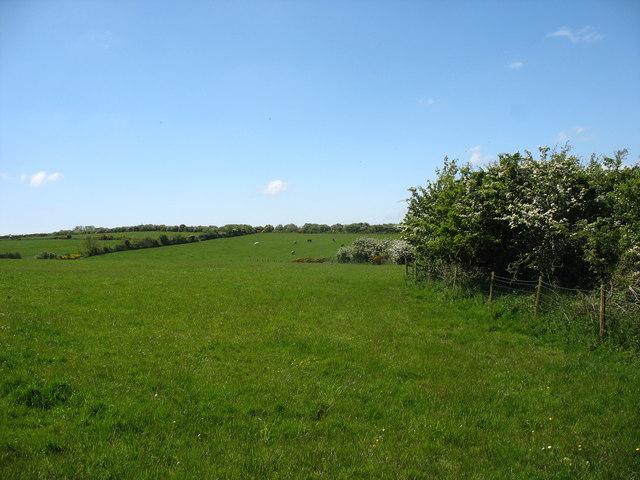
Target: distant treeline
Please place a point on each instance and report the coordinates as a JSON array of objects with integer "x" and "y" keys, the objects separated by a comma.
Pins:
[
  {"x": 213, "y": 231},
  {"x": 362, "y": 227},
  {"x": 230, "y": 230},
  {"x": 233, "y": 229}
]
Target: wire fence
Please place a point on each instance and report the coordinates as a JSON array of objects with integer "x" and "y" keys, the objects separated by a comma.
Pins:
[{"x": 609, "y": 312}]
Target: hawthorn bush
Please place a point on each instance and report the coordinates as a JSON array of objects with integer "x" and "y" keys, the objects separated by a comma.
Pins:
[
  {"x": 376, "y": 251},
  {"x": 575, "y": 223}
]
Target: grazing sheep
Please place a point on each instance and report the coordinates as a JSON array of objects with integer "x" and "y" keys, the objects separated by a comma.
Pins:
[
  {"x": 309, "y": 240},
  {"x": 257, "y": 243},
  {"x": 295, "y": 242},
  {"x": 293, "y": 252}
]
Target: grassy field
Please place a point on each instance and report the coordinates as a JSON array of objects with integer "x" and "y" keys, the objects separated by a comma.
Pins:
[
  {"x": 29, "y": 247},
  {"x": 222, "y": 359}
]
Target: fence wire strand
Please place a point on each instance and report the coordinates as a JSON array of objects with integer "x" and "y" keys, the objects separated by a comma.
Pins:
[
  {"x": 612, "y": 312},
  {"x": 576, "y": 306}
]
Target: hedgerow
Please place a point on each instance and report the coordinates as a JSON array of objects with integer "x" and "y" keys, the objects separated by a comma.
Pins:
[
  {"x": 575, "y": 223},
  {"x": 310, "y": 260}
]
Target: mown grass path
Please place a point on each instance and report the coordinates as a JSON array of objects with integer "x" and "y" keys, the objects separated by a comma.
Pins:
[{"x": 223, "y": 360}]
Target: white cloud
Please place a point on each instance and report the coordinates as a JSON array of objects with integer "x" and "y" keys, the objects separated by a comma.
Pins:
[
  {"x": 576, "y": 132},
  {"x": 275, "y": 187},
  {"x": 516, "y": 65},
  {"x": 477, "y": 156},
  {"x": 4, "y": 176},
  {"x": 586, "y": 34},
  {"x": 426, "y": 101},
  {"x": 40, "y": 178}
]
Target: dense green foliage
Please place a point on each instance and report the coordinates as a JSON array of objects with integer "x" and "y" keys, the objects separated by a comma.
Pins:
[
  {"x": 575, "y": 224},
  {"x": 223, "y": 359}
]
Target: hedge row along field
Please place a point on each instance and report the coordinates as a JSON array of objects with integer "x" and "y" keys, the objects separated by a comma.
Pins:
[
  {"x": 204, "y": 360},
  {"x": 575, "y": 223}
]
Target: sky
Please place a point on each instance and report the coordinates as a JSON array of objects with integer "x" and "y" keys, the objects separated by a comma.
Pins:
[{"x": 126, "y": 112}]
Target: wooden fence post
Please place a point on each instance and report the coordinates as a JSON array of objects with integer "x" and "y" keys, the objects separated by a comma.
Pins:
[
  {"x": 538, "y": 292},
  {"x": 493, "y": 274},
  {"x": 603, "y": 324}
]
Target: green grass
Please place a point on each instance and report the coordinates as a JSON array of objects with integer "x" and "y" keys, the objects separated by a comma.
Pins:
[
  {"x": 222, "y": 359},
  {"x": 277, "y": 248},
  {"x": 29, "y": 247}
]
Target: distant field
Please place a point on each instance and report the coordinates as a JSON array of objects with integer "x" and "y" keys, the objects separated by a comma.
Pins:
[
  {"x": 29, "y": 247},
  {"x": 222, "y": 359}
]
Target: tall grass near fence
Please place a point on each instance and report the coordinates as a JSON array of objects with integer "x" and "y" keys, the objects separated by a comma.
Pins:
[
  {"x": 585, "y": 316},
  {"x": 605, "y": 315}
]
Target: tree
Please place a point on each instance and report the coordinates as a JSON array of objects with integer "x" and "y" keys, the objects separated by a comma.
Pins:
[{"x": 91, "y": 246}]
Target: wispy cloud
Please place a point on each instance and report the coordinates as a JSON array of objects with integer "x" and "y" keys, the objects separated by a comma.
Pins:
[
  {"x": 103, "y": 39},
  {"x": 576, "y": 132},
  {"x": 275, "y": 187},
  {"x": 40, "y": 178},
  {"x": 426, "y": 101},
  {"x": 586, "y": 34},
  {"x": 477, "y": 156},
  {"x": 4, "y": 176},
  {"x": 516, "y": 65}
]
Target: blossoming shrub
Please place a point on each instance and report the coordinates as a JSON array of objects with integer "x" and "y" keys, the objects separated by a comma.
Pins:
[
  {"x": 344, "y": 255},
  {"x": 376, "y": 251},
  {"x": 400, "y": 252},
  {"x": 554, "y": 216},
  {"x": 364, "y": 249}
]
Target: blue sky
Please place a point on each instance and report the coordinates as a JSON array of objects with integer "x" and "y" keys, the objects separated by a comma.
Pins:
[{"x": 210, "y": 112}]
